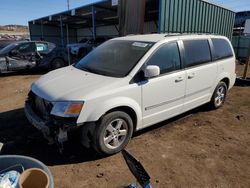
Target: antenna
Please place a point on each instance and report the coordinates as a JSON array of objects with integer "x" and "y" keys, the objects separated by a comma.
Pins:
[{"x": 68, "y": 4}]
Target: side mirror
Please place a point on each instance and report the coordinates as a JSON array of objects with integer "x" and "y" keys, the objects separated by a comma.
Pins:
[{"x": 152, "y": 71}]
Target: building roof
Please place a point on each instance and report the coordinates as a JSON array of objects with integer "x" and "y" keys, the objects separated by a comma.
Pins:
[{"x": 85, "y": 11}]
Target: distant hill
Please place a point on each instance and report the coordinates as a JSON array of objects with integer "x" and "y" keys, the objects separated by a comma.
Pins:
[{"x": 14, "y": 28}]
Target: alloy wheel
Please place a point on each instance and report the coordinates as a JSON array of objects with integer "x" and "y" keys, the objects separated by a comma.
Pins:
[
  {"x": 220, "y": 96},
  {"x": 115, "y": 133}
]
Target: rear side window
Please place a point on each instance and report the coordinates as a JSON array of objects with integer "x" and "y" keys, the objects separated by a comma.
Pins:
[
  {"x": 167, "y": 57},
  {"x": 42, "y": 47},
  {"x": 222, "y": 49},
  {"x": 196, "y": 52}
]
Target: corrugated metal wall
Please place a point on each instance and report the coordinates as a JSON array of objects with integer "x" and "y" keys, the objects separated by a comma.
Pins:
[
  {"x": 195, "y": 16},
  {"x": 110, "y": 31},
  {"x": 51, "y": 33},
  {"x": 131, "y": 16},
  {"x": 241, "y": 45}
]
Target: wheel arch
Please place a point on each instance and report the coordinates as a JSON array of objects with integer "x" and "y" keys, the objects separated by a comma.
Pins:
[
  {"x": 225, "y": 77},
  {"x": 98, "y": 109},
  {"x": 128, "y": 110},
  {"x": 55, "y": 58},
  {"x": 61, "y": 58},
  {"x": 226, "y": 80}
]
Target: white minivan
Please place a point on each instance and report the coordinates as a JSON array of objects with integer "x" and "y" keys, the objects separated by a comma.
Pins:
[{"x": 130, "y": 83}]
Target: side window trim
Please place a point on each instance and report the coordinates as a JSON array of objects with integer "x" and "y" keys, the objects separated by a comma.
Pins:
[
  {"x": 182, "y": 54},
  {"x": 182, "y": 67},
  {"x": 201, "y": 63},
  {"x": 211, "y": 47},
  {"x": 213, "y": 52},
  {"x": 179, "y": 50}
]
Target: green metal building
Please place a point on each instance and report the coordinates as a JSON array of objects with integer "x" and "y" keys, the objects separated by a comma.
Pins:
[
  {"x": 112, "y": 18},
  {"x": 195, "y": 16}
]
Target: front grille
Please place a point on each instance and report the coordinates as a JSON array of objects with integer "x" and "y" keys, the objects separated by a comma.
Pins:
[
  {"x": 41, "y": 106},
  {"x": 42, "y": 109}
]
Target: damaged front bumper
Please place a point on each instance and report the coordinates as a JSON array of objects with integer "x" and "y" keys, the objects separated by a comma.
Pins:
[
  {"x": 53, "y": 129},
  {"x": 35, "y": 120}
]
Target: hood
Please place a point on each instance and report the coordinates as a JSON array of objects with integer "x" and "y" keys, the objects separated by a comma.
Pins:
[
  {"x": 71, "y": 84},
  {"x": 2, "y": 54}
]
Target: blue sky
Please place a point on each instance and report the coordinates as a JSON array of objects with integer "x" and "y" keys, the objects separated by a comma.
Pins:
[{"x": 21, "y": 11}]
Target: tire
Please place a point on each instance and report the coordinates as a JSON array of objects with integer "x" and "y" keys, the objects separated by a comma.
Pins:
[
  {"x": 116, "y": 128},
  {"x": 57, "y": 63},
  {"x": 219, "y": 96}
]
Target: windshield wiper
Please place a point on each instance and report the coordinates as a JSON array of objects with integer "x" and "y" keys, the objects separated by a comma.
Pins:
[{"x": 87, "y": 69}]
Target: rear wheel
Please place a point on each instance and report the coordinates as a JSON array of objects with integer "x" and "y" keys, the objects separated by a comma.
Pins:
[
  {"x": 57, "y": 63},
  {"x": 219, "y": 95},
  {"x": 113, "y": 133}
]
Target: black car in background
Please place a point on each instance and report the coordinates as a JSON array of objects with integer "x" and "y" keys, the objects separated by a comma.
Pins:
[{"x": 30, "y": 55}]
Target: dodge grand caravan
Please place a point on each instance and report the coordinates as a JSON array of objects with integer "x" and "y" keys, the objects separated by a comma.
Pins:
[{"x": 130, "y": 83}]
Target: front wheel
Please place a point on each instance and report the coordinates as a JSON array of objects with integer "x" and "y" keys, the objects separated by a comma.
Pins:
[
  {"x": 113, "y": 133},
  {"x": 219, "y": 96}
]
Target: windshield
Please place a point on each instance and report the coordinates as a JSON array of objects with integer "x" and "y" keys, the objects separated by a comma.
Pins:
[{"x": 115, "y": 58}]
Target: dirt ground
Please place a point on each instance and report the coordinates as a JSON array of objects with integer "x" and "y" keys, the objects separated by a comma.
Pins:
[{"x": 201, "y": 148}]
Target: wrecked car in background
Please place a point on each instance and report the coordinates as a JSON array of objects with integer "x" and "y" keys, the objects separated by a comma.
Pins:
[
  {"x": 30, "y": 55},
  {"x": 85, "y": 46},
  {"x": 4, "y": 43}
]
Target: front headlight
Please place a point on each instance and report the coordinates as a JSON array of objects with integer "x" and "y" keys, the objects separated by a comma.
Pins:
[{"x": 67, "y": 109}]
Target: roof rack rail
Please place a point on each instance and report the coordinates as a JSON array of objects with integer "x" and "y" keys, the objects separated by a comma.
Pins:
[
  {"x": 189, "y": 33},
  {"x": 131, "y": 34}
]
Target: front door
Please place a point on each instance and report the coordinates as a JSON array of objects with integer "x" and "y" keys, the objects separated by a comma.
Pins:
[
  {"x": 163, "y": 96},
  {"x": 3, "y": 64},
  {"x": 22, "y": 57}
]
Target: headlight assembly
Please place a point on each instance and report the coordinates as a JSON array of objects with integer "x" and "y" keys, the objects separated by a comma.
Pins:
[{"x": 67, "y": 109}]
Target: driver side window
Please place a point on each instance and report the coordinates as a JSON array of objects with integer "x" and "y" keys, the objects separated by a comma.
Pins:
[
  {"x": 167, "y": 57},
  {"x": 26, "y": 48}
]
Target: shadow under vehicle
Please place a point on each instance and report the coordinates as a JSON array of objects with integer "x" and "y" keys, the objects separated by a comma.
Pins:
[{"x": 24, "y": 55}]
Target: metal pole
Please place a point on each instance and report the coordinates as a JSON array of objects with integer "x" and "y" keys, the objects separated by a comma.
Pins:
[
  {"x": 142, "y": 16},
  {"x": 93, "y": 22},
  {"x": 42, "y": 35},
  {"x": 69, "y": 60},
  {"x": 159, "y": 16},
  {"x": 247, "y": 65},
  {"x": 68, "y": 4},
  {"x": 61, "y": 25}
]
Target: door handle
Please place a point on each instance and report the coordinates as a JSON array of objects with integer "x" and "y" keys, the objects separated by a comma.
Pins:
[
  {"x": 179, "y": 79},
  {"x": 191, "y": 76}
]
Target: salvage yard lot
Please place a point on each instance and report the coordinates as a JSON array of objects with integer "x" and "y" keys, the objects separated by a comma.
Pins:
[{"x": 201, "y": 148}]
